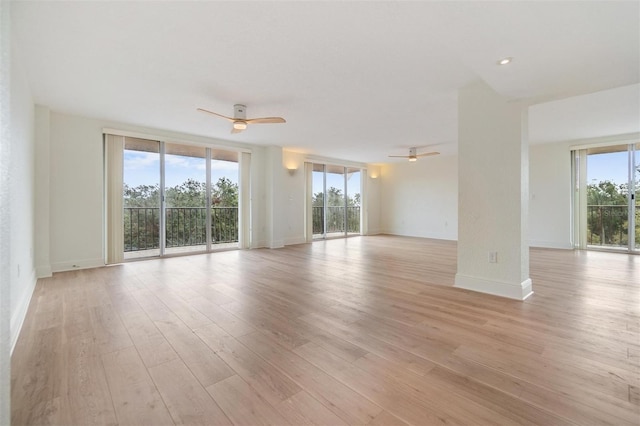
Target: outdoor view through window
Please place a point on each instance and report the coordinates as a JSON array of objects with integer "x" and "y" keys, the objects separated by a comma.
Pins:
[
  {"x": 198, "y": 214},
  {"x": 610, "y": 196}
]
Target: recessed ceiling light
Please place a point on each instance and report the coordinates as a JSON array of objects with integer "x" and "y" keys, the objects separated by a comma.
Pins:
[{"x": 505, "y": 61}]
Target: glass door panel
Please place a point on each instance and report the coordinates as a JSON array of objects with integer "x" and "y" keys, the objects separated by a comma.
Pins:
[
  {"x": 335, "y": 201},
  {"x": 335, "y": 205},
  {"x": 636, "y": 203},
  {"x": 224, "y": 199},
  {"x": 185, "y": 204},
  {"x": 141, "y": 177},
  {"x": 608, "y": 197},
  {"x": 353, "y": 201},
  {"x": 317, "y": 201}
]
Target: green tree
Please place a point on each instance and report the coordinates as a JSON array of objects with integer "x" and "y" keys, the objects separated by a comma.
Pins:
[
  {"x": 607, "y": 214},
  {"x": 190, "y": 193},
  {"x": 335, "y": 212},
  {"x": 185, "y": 215},
  {"x": 224, "y": 193},
  {"x": 141, "y": 196}
]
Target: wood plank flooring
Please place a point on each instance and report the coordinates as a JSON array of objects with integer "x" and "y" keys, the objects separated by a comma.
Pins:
[{"x": 365, "y": 330}]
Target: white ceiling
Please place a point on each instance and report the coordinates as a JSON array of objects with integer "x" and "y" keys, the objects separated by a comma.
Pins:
[{"x": 355, "y": 80}]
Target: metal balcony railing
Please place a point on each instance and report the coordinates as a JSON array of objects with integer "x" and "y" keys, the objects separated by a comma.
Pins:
[
  {"x": 185, "y": 226},
  {"x": 608, "y": 225},
  {"x": 336, "y": 219}
]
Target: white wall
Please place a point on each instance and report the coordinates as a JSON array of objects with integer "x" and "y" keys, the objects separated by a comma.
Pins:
[
  {"x": 42, "y": 191},
  {"x": 5, "y": 217},
  {"x": 293, "y": 197},
  {"x": 550, "y": 196},
  {"x": 76, "y": 192},
  {"x": 21, "y": 203},
  {"x": 421, "y": 198},
  {"x": 373, "y": 200}
]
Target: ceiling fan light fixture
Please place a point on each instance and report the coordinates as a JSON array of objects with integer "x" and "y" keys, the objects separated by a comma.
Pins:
[
  {"x": 505, "y": 61},
  {"x": 239, "y": 125},
  {"x": 413, "y": 159}
]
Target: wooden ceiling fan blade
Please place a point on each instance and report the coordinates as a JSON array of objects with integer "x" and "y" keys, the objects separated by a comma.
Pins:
[
  {"x": 265, "y": 120},
  {"x": 215, "y": 113},
  {"x": 427, "y": 154}
]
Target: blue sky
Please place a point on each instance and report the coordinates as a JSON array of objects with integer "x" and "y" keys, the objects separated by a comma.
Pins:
[
  {"x": 143, "y": 168},
  {"x": 611, "y": 166}
]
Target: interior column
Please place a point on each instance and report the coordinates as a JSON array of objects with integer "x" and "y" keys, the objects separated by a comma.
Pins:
[
  {"x": 275, "y": 206},
  {"x": 493, "y": 194}
]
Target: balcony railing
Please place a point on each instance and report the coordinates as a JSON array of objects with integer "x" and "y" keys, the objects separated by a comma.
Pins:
[
  {"x": 185, "y": 226},
  {"x": 608, "y": 225},
  {"x": 335, "y": 219}
]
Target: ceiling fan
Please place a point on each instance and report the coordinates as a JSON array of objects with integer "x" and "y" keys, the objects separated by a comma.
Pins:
[
  {"x": 240, "y": 120},
  {"x": 413, "y": 154}
]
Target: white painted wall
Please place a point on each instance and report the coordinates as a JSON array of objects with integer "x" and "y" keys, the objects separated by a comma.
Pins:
[
  {"x": 5, "y": 216},
  {"x": 493, "y": 194},
  {"x": 372, "y": 200},
  {"x": 76, "y": 192},
  {"x": 293, "y": 197},
  {"x": 550, "y": 196},
  {"x": 21, "y": 203},
  {"x": 421, "y": 199},
  {"x": 42, "y": 191}
]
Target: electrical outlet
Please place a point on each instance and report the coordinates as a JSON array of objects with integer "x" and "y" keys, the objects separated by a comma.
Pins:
[{"x": 493, "y": 257}]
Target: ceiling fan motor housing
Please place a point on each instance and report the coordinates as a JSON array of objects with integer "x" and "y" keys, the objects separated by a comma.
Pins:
[{"x": 240, "y": 111}]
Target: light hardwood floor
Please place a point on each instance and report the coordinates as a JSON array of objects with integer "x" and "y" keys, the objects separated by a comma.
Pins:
[{"x": 364, "y": 330}]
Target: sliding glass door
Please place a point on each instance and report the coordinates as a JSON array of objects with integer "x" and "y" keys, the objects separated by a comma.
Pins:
[
  {"x": 178, "y": 198},
  {"x": 141, "y": 198},
  {"x": 353, "y": 186},
  {"x": 336, "y": 196},
  {"x": 185, "y": 195},
  {"x": 609, "y": 187},
  {"x": 635, "y": 190}
]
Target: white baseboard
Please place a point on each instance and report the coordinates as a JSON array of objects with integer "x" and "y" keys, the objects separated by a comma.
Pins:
[
  {"x": 276, "y": 244},
  {"x": 428, "y": 237},
  {"x": 518, "y": 291},
  {"x": 259, "y": 244},
  {"x": 294, "y": 241},
  {"x": 43, "y": 271},
  {"x": 550, "y": 244},
  {"x": 78, "y": 264},
  {"x": 376, "y": 231},
  {"x": 18, "y": 317}
]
